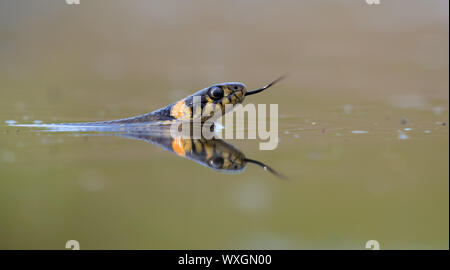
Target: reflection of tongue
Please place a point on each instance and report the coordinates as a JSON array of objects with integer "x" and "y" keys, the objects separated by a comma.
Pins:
[{"x": 265, "y": 167}]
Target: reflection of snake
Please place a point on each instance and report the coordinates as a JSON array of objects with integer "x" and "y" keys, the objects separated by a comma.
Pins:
[
  {"x": 212, "y": 153},
  {"x": 154, "y": 127}
]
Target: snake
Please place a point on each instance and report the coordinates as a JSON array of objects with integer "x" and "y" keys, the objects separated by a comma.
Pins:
[
  {"x": 213, "y": 99},
  {"x": 153, "y": 127}
]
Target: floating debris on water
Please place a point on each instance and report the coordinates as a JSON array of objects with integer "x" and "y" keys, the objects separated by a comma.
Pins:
[
  {"x": 427, "y": 131},
  {"x": 359, "y": 131},
  {"x": 313, "y": 123},
  {"x": 296, "y": 136},
  {"x": 324, "y": 131},
  {"x": 407, "y": 129},
  {"x": 338, "y": 134},
  {"x": 10, "y": 122},
  {"x": 37, "y": 121},
  {"x": 402, "y": 136},
  {"x": 286, "y": 132},
  {"x": 403, "y": 121}
]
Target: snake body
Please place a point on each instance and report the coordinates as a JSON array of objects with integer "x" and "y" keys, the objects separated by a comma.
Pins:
[{"x": 212, "y": 101}]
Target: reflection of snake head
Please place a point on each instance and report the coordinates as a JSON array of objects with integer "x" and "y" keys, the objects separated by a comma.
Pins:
[
  {"x": 214, "y": 100},
  {"x": 215, "y": 154},
  {"x": 225, "y": 157}
]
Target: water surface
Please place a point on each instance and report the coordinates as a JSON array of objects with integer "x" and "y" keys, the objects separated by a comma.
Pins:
[{"x": 363, "y": 124}]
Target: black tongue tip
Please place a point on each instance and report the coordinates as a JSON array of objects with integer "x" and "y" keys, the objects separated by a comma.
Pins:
[{"x": 252, "y": 92}]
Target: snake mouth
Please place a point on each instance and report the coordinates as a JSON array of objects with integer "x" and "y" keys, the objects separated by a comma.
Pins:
[{"x": 252, "y": 92}]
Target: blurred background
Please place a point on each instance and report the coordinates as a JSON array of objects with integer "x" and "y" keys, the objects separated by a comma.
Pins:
[{"x": 363, "y": 124}]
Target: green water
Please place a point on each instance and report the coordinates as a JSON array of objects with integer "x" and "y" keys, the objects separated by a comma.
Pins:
[
  {"x": 363, "y": 125},
  {"x": 345, "y": 188}
]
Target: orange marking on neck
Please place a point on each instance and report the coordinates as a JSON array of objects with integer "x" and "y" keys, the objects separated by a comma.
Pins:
[
  {"x": 178, "y": 109},
  {"x": 178, "y": 146}
]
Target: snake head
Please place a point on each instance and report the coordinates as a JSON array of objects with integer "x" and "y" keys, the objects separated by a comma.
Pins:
[{"x": 213, "y": 101}]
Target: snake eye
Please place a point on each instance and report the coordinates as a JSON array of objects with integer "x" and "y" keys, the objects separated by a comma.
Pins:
[
  {"x": 216, "y": 162},
  {"x": 215, "y": 92}
]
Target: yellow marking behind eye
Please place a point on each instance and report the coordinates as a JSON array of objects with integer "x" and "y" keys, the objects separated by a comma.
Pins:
[
  {"x": 227, "y": 91},
  {"x": 197, "y": 112},
  {"x": 181, "y": 111},
  {"x": 208, "y": 108},
  {"x": 218, "y": 107},
  {"x": 225, "y": 100},
  {"x": 177, "y": 109}
]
